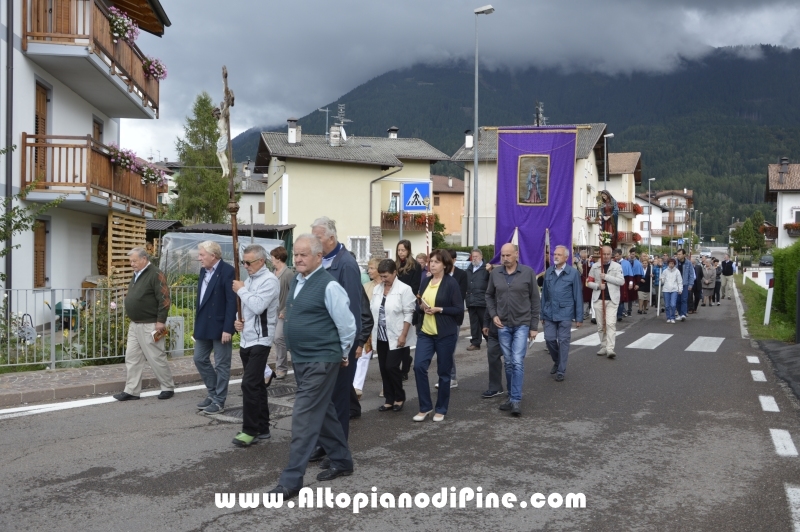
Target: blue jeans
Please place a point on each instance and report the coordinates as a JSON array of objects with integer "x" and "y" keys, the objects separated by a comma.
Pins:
[
  {"x": 215, "y": 376},
  {"x": 444, "y": 347},
  {"x": 670, "y": 299},
  {"x": 514, "y": 343},
  {"x": 557, "y": 337},
  {"x": 683, "y": 301}
]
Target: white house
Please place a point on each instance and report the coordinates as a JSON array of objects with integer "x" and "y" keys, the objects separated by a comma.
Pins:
[
  {"x": 783, "y": 189},
  {"x": 676, "y": 212},
  {"x": 649, "y": 222},
  {"x": 588, "y": 179},
  {"x": 70, "y": 87}
]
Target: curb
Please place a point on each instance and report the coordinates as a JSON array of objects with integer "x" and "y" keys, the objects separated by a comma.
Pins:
[{"x": 79, "y": 391}]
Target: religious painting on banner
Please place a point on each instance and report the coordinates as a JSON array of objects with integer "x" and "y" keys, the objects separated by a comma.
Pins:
[{"x": 535, "y": 176}]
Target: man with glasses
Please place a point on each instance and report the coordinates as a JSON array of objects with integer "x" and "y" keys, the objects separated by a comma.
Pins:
[{"x": 259, "y": 295}]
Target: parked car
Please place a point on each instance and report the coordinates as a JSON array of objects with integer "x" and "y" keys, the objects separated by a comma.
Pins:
[
  {"x": 766, "y": 260},
  {"x": 705, "y": 252},
  {"x": 462, "y": 260}
]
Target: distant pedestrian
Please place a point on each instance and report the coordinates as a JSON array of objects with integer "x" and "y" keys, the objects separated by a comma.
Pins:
[
  {"x": 718, "y": 282},
  {"x": 409, "y": 272},
  {"x": 392, "y": 308},
  {"x": 213, "y": 325},
  {"x": 562, "y": 304},
  {"x": 422, "y": 260},
  {"x": 727, "y": 276},
  {"x": 697, "y": 292},
  {"x": 671, "y": 286},
  {"x": 362, "y": 365},
  {"x": 317, "y": 303},
  {"x": 636, "y": 276},
  {"x": 625, "y": 289},
  {"x": 441, "y": 310},
  {"x": 477, "y": 280},
  {"x": 514, "y": 302},
  {"x": 147, "y": 305},
  {"x": 644, "y": 285},
  {"x": 606, "y": 283},
  {"x": 688, "y": 276},
  {"x": 285, "y": 275},
  {"x": 259, "y": 294},
  {"x": 709, "y": 280}
]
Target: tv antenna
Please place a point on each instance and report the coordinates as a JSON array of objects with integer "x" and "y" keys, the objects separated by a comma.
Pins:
[
  {"x": 341, "y": 121},
  {"x": 326, "y": 111}
]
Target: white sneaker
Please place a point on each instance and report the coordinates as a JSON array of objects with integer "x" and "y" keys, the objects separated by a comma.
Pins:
[
  {"x": 453, "y": 384},
  {"x": 682, "y": 318}
]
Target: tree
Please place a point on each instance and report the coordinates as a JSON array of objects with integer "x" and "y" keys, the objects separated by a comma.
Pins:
[
  {"x": 745, "y": 236},
  {"x": 758, "y": 219},
  {"x": 16, "y": 218},
  {"x": 438, "y": 233},
  {"x": 202, "y": 193}
]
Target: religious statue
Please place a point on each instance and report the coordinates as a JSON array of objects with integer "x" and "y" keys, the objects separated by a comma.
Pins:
[
  {"x": 607, "y": 216},
  {"x": 222, "y": 114},
  {"x": 534, "y": 194}
]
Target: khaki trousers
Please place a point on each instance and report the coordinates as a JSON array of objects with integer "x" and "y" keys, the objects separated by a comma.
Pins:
[
  {"x": 141, "y": 347},
  {"x": 609, "y": 337},
  {"x": 726, "y": 286}
]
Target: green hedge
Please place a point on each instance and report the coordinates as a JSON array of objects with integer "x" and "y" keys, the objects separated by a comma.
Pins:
[
  {"x": 488, "y": 251},
  {"x": 787, "y": 263}
]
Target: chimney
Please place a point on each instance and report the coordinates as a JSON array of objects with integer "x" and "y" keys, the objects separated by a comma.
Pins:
[
  {"x": 335, "y": 136},
  {"x": 449, "y": 182},
  {"x": 292, "y": 138},
  {"x": 393, "y": 132},
  {"x": 468, "y": 142},
  {"x": 783, "y": 170}
]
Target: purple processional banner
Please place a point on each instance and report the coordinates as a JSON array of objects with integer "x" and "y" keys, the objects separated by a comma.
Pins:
[{"x": 535, "y": 172}]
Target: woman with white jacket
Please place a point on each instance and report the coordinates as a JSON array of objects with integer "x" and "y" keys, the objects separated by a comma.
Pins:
[
  {"x": 392, "y": 308},
  {"x": 671, "y": 284}
]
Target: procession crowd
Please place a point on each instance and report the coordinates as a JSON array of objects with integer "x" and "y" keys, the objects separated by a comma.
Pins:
[{"x": 332, "y": 326}]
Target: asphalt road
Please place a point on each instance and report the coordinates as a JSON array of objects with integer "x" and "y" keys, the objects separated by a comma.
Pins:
[{"x": 658, "y": 439}]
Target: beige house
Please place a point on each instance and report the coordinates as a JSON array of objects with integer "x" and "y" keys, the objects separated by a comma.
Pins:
[
  {"x": 353, "y": 180},
  {"x": 676, "y": 213},
  {"x": 448, "y": 204},
  {"x": 588, "y": 179},
  {"x": 624, "y": 174}
]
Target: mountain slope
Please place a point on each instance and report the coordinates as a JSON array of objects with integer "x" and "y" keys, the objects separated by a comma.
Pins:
[{"x": 712, "y": 126}]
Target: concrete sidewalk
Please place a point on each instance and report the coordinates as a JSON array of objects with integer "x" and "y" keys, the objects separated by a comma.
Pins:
[{"x": 53, "y": 385}]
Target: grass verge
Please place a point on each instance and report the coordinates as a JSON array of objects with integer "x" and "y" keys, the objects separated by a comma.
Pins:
[{"x": 755, "y": 302}]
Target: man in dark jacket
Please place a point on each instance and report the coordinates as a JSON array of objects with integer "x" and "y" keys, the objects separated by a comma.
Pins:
[
  {"x": 562, "y": 303},
  {"x": 213, "y": 325},
  {"x": 477, "y": 280},
  {"x": 338, "y": 261}
]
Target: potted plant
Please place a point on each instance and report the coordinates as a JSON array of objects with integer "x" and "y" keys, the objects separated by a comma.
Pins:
[
  {"x": 637, "y": 209},
  {"x": 122, "y": 159},
  {"x": 637, "y": 237},
  {"x": 154, "y": 68},
  {"x": 154, "y": 175},
  {"x": 792, "y": 228},
  {"x": 122, "y": 26}
]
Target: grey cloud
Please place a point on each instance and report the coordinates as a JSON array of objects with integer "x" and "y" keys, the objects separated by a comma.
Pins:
[{"x": 287, "y": 58}]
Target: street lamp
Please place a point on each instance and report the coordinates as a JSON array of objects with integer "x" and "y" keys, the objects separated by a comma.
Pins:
[
  {"x": 700, "y": 232},
  {"x": 485, "y": 10},
  {"x": 605, "y": 165},
  {"x": 650, "y": 218}
]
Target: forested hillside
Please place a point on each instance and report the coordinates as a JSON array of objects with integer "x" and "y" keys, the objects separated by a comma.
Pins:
[{"x": 711, "y": 126}]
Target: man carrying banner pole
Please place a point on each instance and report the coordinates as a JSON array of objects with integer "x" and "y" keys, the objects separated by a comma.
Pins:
[{"x": 605, "y": 279}]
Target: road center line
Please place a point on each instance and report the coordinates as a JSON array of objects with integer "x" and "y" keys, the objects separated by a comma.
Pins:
[
  {"x": 650, "y": 341},
  {"x": 784, "y": 445},
  {"x": 793, "y": 496},
  {"x": 758, "y": 375},
  {"x": 753, "y": 360},
  {"x": 768, "y": 403}
]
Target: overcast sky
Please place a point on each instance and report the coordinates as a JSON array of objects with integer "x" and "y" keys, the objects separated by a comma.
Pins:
[{"x": 288, "y": 57}]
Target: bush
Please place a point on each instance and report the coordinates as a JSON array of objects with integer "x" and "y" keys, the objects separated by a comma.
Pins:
[{"x": 787, "y": 263}]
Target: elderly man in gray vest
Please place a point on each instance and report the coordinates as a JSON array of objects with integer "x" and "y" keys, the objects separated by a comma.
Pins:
[{"x": 320, "y": 330}]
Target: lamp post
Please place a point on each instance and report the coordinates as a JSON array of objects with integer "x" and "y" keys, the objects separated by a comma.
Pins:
[
  {"x": 485, "y": 10},
  {"x": 605, "y": 164},
  {"x": 649, "y": 218},
  {"x": 700, "y": 232}
]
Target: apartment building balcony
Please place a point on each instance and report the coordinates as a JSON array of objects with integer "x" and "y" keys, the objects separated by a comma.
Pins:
[
  {"x": 390, "y": 221},
  {"x": 628, "y": 209},
  {"x": 667, "y": 231},
  {"x": 628, "y": 237},
  {"x": 71, "y": 39},
  {"x": 80, "y": 170}
]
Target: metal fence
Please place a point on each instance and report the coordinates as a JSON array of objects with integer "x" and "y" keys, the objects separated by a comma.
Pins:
[{"x": 73, "y": 327}]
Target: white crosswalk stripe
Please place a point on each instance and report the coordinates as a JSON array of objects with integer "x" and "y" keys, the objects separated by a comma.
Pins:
[
  {"x": 706, "y": 344},
  {"x": 793, "y": 496},
  {"x": 758, "y": 375},
  {"x": 784, "y": 445},
  {"x": 650, "y": 341},
  {"x": 592, "y": 339},
  {"x": 768, "y": 403},
  {"x": 753, "y": 360}
]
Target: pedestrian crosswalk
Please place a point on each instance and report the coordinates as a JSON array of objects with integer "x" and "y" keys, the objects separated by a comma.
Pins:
[{"x": 652, "y": 341}]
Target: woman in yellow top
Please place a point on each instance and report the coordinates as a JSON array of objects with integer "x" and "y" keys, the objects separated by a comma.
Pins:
[{"x": 442, "y": 308}]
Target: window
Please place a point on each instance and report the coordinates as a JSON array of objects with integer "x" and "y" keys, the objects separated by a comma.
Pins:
[
  {"x": 436, "y": 200},
  {"x": 581, "y": 197},
  {"x": 358, "y": 245},
  {"x": 40, "y": 278},
  {"x": 797, "y": 216},
  {"x": 394, "y": 201},
  {"x": 261, "y": 208},
  {"x": 274, "y": 202},
  {"x": 645, "y": 226},
  {"x": 646, "y": 209}
]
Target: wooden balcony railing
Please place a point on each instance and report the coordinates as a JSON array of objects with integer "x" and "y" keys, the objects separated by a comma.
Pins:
[
  {"x": 628, "y": 237},
  {"x": 85, "y": 23},
  {"x": 411, "y": 221},
  {"x": 671, "y": 231},
  {"x": 64, "y": 164}
]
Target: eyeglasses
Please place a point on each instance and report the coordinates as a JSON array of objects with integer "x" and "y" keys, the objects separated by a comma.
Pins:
[{"x": 248, "y": 262}]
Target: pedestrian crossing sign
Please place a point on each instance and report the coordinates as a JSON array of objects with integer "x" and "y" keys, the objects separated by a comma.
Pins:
[{"x": 413, "y": 196}]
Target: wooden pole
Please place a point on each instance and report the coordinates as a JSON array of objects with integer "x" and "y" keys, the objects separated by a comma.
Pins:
[
  {"x": 602, "y": 291},
  {"x": 233, "y": 206}
]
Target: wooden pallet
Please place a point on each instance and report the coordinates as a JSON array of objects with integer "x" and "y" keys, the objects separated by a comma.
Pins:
[{"x": 125, "y": 232}]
